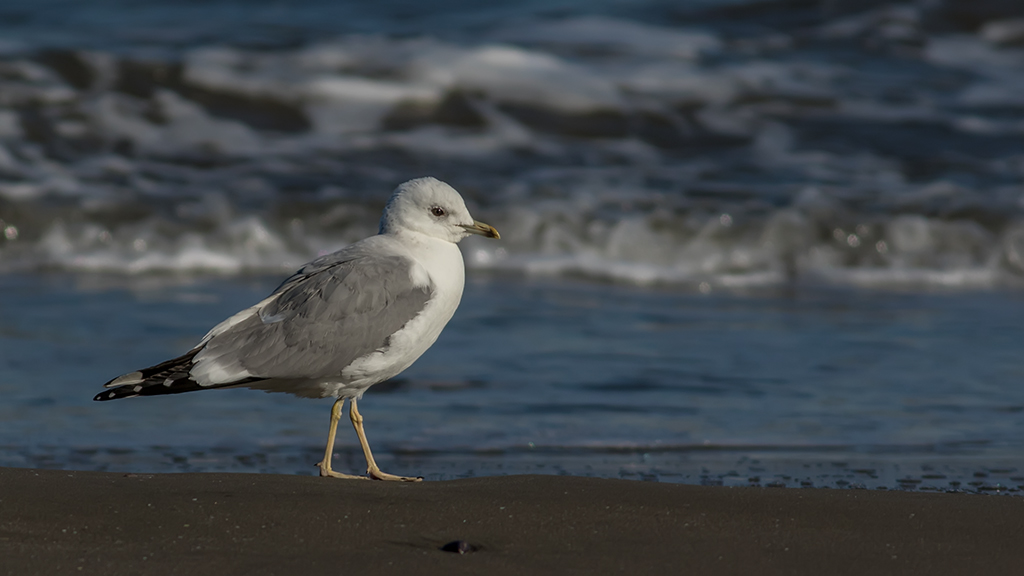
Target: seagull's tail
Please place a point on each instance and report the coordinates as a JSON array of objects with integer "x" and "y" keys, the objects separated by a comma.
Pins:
[{"x": 170, "y": 377}]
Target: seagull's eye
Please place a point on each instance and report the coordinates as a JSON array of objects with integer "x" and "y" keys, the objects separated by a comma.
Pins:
[{"x": 437, "y": 211}]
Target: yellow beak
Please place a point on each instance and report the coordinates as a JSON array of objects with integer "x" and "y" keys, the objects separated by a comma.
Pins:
[{"x": 483, "y": 229}]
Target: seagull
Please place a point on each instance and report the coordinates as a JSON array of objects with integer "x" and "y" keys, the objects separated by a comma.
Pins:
[{"x": 341, "y": 323}]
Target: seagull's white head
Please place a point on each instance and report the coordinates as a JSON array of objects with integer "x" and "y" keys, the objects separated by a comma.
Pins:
[{"x": 432, "y": 208}]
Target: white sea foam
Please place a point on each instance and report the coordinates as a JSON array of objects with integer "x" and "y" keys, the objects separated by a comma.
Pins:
[
  {"x": 601, "y": 147},
  {"x": 570, "y": 239},
  {"x": 515, "y": 75}
]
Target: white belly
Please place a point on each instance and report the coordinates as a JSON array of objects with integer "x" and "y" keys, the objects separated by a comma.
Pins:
[{"x": 440, "y": 266}]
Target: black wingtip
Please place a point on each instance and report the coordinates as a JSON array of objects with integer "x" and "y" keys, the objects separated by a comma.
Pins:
[
  {"x": 178, "y": 386},
  {"x": 151, "y": 381},
  {"x": 116, "y": 393}
]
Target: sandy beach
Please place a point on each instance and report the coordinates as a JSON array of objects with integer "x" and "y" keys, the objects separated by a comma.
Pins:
[{"x": 63, "y": 522}]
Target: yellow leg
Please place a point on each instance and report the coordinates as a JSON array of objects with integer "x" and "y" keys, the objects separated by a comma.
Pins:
[
  {"x": 371, "y": 467},
  {"x": 325, "y": 465}
]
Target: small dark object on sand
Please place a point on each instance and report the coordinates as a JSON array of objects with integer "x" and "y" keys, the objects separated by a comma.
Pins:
[{"x": 459, "y": 547}]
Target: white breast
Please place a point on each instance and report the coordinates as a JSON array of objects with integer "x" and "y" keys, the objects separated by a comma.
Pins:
[{"x": 439, "y": 265}]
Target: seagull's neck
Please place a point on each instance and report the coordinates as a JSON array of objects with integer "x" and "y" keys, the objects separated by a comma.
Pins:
[
  {"x": 440, "y": 259},
  {"x": 419, "y": 241}
]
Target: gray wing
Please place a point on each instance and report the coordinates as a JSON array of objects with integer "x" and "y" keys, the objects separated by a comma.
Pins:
[{"x": 329, "y": 313}]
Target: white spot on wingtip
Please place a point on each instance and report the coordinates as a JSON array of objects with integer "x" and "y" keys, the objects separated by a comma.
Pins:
[
  {"x": 112, "y": 394},
  {"x": 137, "y": 388},
  {"x": 168, "y": 382},
  {"x": 129, "y": 378}
]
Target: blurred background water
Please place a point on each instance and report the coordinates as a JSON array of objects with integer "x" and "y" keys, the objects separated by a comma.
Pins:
[{"x": 743, "y": 242}]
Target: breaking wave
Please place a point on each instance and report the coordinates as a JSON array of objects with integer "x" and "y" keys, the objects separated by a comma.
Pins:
[{"x": 880, "y": 147}]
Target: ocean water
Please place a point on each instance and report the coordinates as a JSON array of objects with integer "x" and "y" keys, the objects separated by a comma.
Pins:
[
  {"x": 795, "y": 385},
  {"x": 743, "y": 242}
]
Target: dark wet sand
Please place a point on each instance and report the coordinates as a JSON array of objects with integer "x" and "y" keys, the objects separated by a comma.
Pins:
[{"x": 57, "y": 522}]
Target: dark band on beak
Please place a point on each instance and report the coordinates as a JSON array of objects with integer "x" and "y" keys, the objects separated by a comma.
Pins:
[{"x": 483, "y": 230}]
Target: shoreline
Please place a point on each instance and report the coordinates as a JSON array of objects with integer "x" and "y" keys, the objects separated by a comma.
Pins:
[{"x": 54, "y": 521}]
